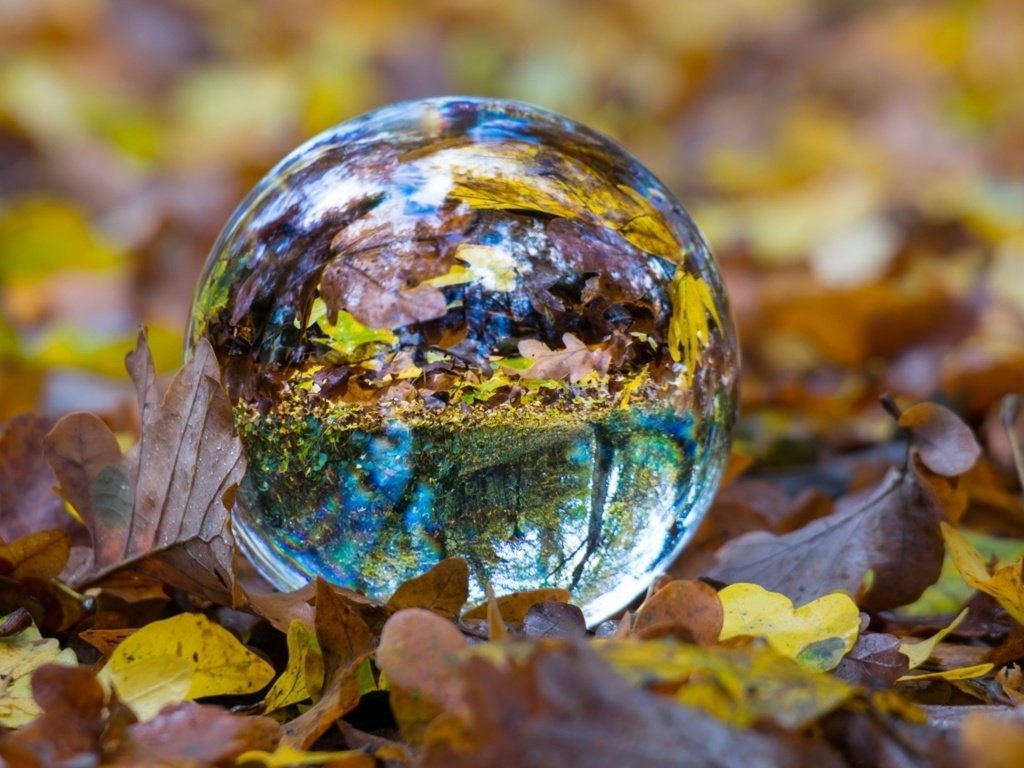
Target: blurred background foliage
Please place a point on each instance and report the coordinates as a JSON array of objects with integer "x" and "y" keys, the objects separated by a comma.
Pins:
[{"x": 858, "y": 166}]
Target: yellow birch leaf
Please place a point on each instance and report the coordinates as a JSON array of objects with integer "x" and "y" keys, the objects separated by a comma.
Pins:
[
  {"x": 918, "y": 652},
  {"x": 1004, "y": 583},
  {"x": 960, "y": 673},
  {"x": 20, "y": 656},
  {"x": 303, "y": 678},
  {"x": 285, "y": 757},
  {"x": 220, "y": 664},
  {"x": 816, "y": 635}
]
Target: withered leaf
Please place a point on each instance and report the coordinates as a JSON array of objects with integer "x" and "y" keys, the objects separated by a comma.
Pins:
[
  {"x": 164, "y": 506},
  {"x": 420, "y": 653},
  {"x": 573, "y": 362},
  {"x": 892, "y": 530},
  {"x": 346, "y": 642},
  {"x": 688, "y": 610},
  {"x": 513, "y": 607},
  {"x": 569, "y": 708},
  {"x": 874, "y": 661},
  {"x": 554, "y": 620},
  {"x": 375, "y": 300},
  {"x": 27, "y": 501},
  {"x": 443, "y": 589},
  {"x": 190, "y": 733}
]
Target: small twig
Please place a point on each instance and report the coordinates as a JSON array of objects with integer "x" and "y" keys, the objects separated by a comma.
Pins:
[
  {"x": 16, "y": 622},
  {"x": 1010, "y": 411},
  {"x": 88, "y": 602},
  {"x": 890, "y": 406}
]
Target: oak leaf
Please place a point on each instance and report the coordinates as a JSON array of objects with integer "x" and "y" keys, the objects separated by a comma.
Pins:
[
  {"x": 892, "y": 531},
  {"x": 164, "y": 506}
]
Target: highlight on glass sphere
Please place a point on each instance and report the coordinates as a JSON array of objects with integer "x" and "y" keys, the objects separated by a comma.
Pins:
[{"x": 470, "y": 327}]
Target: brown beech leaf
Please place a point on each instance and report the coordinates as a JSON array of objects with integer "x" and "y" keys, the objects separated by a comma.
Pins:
[
  {"x": 554, "y": 620},
  {"x": 892, "y": 530},
  {"x": 421, "y": 654},
  {"x": 164, "y": 506},
  {"x": 874, "y": 661},
  {"x": 346, "y": 643},
  {"x": 565, "y": 707},
  {"x": 70, "y": 729},
  {"x": 443, "y": 589},
  {"x": 27, "y": 500},
  {"x": 687, "y": 610},
  {"x": 513, "y": 607},
  {"x": 196, "y": 734}
]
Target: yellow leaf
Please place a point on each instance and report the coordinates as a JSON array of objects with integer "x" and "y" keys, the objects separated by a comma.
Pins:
[
  {"x": 688, "y": 328},
  {"x": 817, "y": 635},
  {"x": 303, "y": 678},
  {"x": 1005, "y": 583},
  {"x": 20, "y": 656},
  {"x": 918, "y": 652},
  {"x": 284, "y": 757},
  {"x": 494, "y": 267},
  {"x": 151, "y": 683},
  {"x": 960, "y": 673},
  {"x": 737, "y": 685},
  {"x": 513, "y": 607},
  {"x": 219, "y": 663}
]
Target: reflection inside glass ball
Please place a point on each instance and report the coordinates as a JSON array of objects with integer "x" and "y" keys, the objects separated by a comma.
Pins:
[{"x": 462, "y": 327}]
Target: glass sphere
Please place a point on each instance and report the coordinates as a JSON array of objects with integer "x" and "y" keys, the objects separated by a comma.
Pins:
[{"x": 470, "y": 327}]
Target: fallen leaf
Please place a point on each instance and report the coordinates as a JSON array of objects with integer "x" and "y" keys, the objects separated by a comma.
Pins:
[
  {"x": 303, "y": 678},
  {"x": 513, "y": 607},
  {"x": 554, "y": 620},
  {"x": 379, "y": 302},
  {"x": 106, "y": 640},
  {"x": 876, "y": 660},
  {"x": 165, "y": 505},
  {"x": 960, "y": 673},
  {"x": 69, "y": 730},
  {"x": 689, "y": 329},
  {"x": 604, "y": 722},
  {"x": 345, "y": 642},
  {"x": 816, "y": 635},
  {"x": 737, "y": 685},
  {"x": 195, "y": 734},
  {"x": 989, "y": 740},
  {"x": 422, "y": 655},
  {"x": 687, "y": 610},
  {"x": 1005, "y": 582},
  {"x": 287, "y": 757},
  {"x": 185, "y": 647},
  {"x": 27, "y": 501},
  {"x": 917, "y": 653},
  {"x": 892, "y": 531},
  {"x": 443, "y": 589},
  {"x": 21, "y": 655},
  {"x": 572, "y": 362}
]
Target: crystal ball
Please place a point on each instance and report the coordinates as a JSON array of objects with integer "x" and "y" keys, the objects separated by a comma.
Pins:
[{"x": 470, "y": 327}]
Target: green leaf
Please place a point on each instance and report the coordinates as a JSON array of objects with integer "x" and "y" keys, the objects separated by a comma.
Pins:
[{"x": 347, "y": 336}]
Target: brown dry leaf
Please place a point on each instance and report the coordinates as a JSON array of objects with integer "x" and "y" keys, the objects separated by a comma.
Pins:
[
  {"x": 513, "y": 607},
  {"x": 71, "y": 726},
  {"x": 191, "y": 734},
  {"x": 554, "y": 620},
  {"x": 421, "y": 655},
  {"x": 346, "y": 642},
  {"x": 443, "y": 589},
  {"x": 992, "y": 740},
  {"x": 282, "y": 608},
  {"x": 27, "y": 501},
  {"x": 604, "y": 723},
  {"x": 874, "y": 661},
  {"x": 377, "y": 301},
  {"x": 687, "y": 610},
  {"x": 892, "y": 531},
  {"x": 164, "y": 507},
  {"x": 573, "y": 362},
  {"x": 106, "y": 640},
  {"x": 29, "y": 567}
]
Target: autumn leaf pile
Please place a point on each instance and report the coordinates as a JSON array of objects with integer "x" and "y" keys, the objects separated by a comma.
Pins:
[
  {"x": 835, "y": 636},
  {"x": 854, "y": 597}
]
